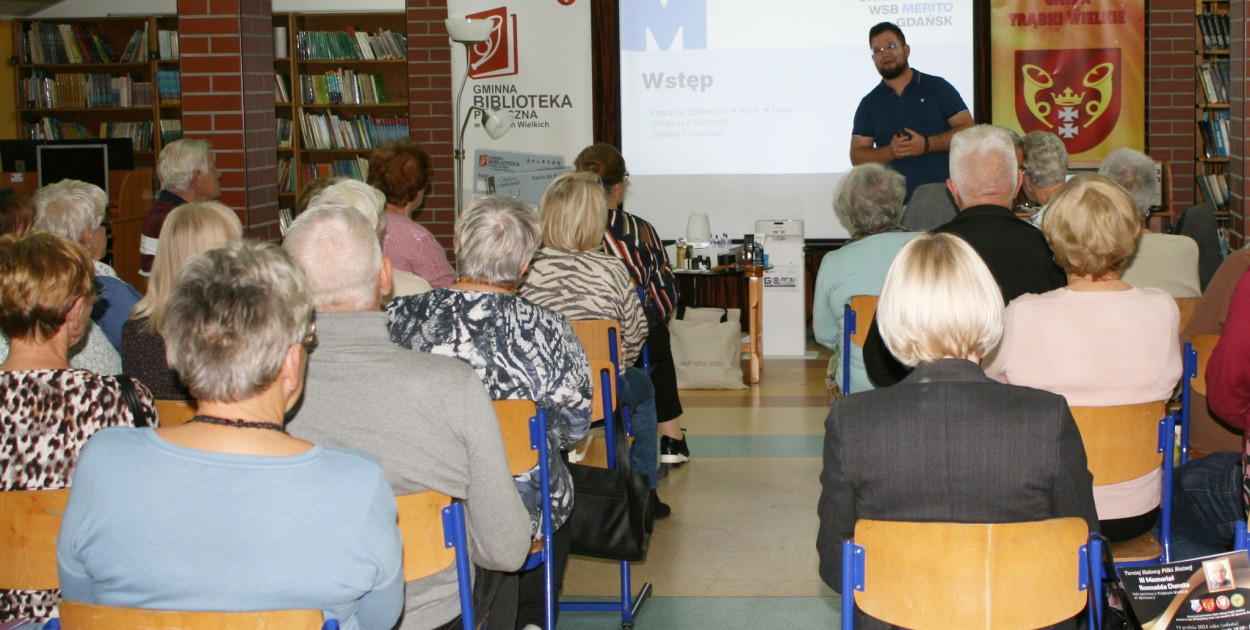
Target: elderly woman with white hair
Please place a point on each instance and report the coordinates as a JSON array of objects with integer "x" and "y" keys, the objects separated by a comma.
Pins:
[
  {"x": 870, "y": 200},
  {"x": 230, "y": 493},
  {"x": 1045, "y": 169},
  {"x": 959, "y": 446},
  {"x": 1098, "y": 341},
  {"x": 519, "y": 349},
  {"x": 371, "y": 203},
  {"x": 188, "y": 174},
  {"x": 1162, "y": 261},
  {"x": 76, "y": 210}
]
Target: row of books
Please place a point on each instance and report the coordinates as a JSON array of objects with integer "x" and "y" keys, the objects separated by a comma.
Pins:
[
  {"x": 357, "y": 168},
  {"x": 285, "y": 133},
  {"x": 1215, "y": 28},
  {"x": 45, "y": 42},
  {"x": 77, "y": 90},
  {"x": 171, "y": 130},
  {"x": 1213, "y": 75},
  {"x": 167, "y": 44},
  {"x": 137, "y": 49},
  {"x": 1214, "y": 130},
  {"x": 350, "y": 45},
  {"x": 329, "y": 131},
  {"x": 169, "y": 86},
  {"x": 342, "y": 87},
  {"x": 281, "y": 88},
  {"x": 1214, "y": 188},
  {"x": 286, "y": 183},
  {"x": 139, "y": 132}
]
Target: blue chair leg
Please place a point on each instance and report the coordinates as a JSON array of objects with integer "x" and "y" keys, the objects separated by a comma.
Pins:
[
  {"x": 848, "y": 329},
  {"x": 454, "y": 537}
]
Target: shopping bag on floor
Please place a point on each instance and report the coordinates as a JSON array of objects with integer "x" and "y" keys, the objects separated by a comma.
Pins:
[{"x": 707, "y": 348}]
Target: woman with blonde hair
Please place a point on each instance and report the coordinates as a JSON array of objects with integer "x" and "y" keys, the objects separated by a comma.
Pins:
[
  {"x": 47, "y": 408},
  {"x": 572, "y": 276},
  {"x": 946, "y": 443},
  {"x": 189, "y": 230},
  {"x": 1098, "y": 341}
]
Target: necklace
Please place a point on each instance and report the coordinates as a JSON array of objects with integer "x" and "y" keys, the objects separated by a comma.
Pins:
[
  {"x": 238, "y": 424},
  {"x": 499, "y": 287}
]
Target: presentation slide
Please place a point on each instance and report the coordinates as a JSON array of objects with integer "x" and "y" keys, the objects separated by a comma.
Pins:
[{"x": 743, "y": 109}]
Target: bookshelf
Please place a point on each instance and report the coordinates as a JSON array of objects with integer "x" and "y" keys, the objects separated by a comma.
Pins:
[
  {"x": 1211, "y": 106},
  {"x": 341, "y": 90},
  {"x": 114, "y": 77}
]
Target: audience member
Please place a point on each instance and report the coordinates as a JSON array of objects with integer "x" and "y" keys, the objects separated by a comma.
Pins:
[
  {"x": 188, "y": 174},
  {"x": 635, "y": 242},
  {"x": 191, "y": 229},
  {"x": 984, "y": 180},
  {"x": 1045, "y": 169},
  {"x": 1207, "y": 433},
  {"x": 234, "y": 514},
  {"x": 435, "y": 429},
  {"x": 573, "y": 277},
  {"x": 402, "y": 172},
  {"x": 519, "y": 349},
  {"x": 1162, "y": 261},
  {"x": 49, "y": 409},
  {"x": 76, "y": 210},
  {"x": 371, "y": 203},
  {"x": 947, "y": 443},
  {"x": 311, "y": 190},
  {"x": 15, "y": 219},
  {"x": 870, "y": 200},
  {"x": 1098, "y": 341}
]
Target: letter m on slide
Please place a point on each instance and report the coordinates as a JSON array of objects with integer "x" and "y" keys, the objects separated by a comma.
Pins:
[{"x": 671, "y": 25}]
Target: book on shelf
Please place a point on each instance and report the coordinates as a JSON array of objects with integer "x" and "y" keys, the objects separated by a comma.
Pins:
[
  {"x": 167, "y": 44},
  {"x": 169, "y": 86},
  {"x": 342, "y": 86},
  {"x": 137, "y": 48},
  {"x": 140, "y": 133},
  {"x": 284, "y": 130},
  {"x": 332, "y": 132},
  {"x": 286, "y": 183},
  {"x": 281, "y": 89},
  {"x": 171, "y": 130},
  {"x": 349, "y": 45}
]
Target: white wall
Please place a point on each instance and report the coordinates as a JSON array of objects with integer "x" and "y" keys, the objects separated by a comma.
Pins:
[{"x": 101, "y": 8}]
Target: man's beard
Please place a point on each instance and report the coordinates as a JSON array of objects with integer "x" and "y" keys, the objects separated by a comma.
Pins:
[{"x": 895, "y": 72}]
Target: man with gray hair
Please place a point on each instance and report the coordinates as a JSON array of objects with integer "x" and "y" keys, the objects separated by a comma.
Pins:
[
  {"x": 1163, "y": 261},
  {"x": 433, "y": 426},
  {"x": 1045, "y": 169},
  {"x": 188, "y": 173},
  {"x": 76, "y": 210}
]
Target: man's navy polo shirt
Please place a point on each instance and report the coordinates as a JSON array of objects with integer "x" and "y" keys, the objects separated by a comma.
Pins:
[{"x": 925, "y": 106}]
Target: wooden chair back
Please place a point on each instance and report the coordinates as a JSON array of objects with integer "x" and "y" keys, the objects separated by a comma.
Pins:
[
  {"x": 80, "y": 616},
  {"x": 175, "y": 412},
  {"x": 29, "y": 522},
  {"x": 421, "y": 527},
  {"x": 514, "y": 426},
  {"x": 593, "y": 334},
  {"x": 1121, "y": 442},
  {"x": 961, "y": 576},
  {"x": 1203, "y": 345},
  {"x": 865, "y": 307},
  {"x": 1186, "y": 307}
]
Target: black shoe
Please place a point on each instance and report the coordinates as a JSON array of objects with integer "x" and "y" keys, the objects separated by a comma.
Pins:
[
  {"x": 673, "y": 452},
  {"x": 659, "y": 509}
]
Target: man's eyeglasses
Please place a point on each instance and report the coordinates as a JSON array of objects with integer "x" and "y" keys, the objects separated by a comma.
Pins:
[{"x": 881, "y": 49}]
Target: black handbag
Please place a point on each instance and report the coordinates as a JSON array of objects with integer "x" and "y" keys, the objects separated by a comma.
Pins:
[{"x": 611, "y": 516}]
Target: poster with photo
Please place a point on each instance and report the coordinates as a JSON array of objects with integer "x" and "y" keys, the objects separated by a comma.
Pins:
[{"x": 1208, "y": 593}]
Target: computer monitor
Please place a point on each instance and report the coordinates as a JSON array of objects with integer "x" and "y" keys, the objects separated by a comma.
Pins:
[
  {"x": 88, "y": 162},
  {"x": 18, "y": 156}
]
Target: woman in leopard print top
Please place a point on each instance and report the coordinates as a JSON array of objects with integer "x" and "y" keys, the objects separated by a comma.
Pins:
[{"x": 48, "y": 409}]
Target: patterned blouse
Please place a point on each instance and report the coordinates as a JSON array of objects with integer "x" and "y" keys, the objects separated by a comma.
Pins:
[
  {"x": 521, "y": 351},
  {"x": 46, "y": 417},
  {"x": 635, "y": 242},
  {"x": 412, "y": 248},
  {"x": 588, "y": 285}
]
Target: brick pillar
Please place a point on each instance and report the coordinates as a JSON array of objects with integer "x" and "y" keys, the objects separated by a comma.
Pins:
[
  {"x": 227, "y": 99},
  {"x": 1238, "y": 166},
  {"x": 1170, "y": 88},
  {"x": 430, "y": 110}
]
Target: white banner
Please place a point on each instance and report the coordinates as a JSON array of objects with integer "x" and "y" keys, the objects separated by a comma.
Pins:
[{"x": 537, "y": 66}]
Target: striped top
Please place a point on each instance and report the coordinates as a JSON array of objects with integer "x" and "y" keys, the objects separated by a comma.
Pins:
[
  {"x": 588, "y": 285},
  {"x": 635, "y": 243}
]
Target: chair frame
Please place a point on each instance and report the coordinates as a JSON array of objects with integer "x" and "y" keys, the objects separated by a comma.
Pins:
[
  {"x": 83, "y": 616},
  {"x": 1117, "y": 446},
  {"x": 590, "y": 331},
  {"x": 852, "y": 332},
  {"x": 422, "y": 516},
  {"x": 29, "y": 522},
  {"x": 903, "y": 573},
  {"x": 1193, "y": 381}
]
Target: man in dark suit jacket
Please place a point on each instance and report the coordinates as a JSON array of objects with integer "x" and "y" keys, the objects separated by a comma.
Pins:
[
  {"x": 984, "y": 180},
  {"x": 947, "y": 444}
]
